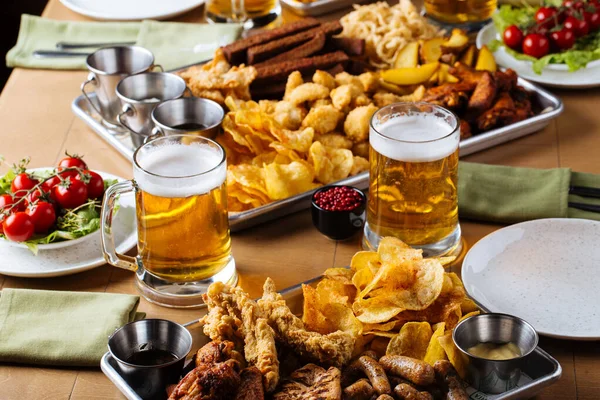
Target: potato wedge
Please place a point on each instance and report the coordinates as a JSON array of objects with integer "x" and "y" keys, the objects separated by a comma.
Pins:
[
  {"x": 410, "y": 76},
  {"x": 468, "y": 56},
  {"x": 392, "y": 88},
  {"x": 431, "y": 50},
  {"x": 444, "y": 75},
  {"x": 456, "y": 43},
  {"x": 485, "y": 60},
  {"x": 408, "y": 57}
]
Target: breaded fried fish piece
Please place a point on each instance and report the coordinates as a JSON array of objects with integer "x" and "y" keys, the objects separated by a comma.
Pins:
[{"x": 332, "y": 349}]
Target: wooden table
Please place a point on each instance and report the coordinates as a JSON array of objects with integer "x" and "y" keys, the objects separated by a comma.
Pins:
[{"x": 37, "y": 121}]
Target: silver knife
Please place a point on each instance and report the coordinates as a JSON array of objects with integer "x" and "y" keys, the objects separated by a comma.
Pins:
[
  {"x": 76, "y": 45},
  {"x": 54, "y": 53}
]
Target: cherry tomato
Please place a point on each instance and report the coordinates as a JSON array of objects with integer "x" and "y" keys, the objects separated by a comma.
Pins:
[
  {"x": 592, "y": 19},
  {"x": 48, "y": 187},
  {"x": 42, "y": 215},
  {"x": 568, "y": 3},
  {"x": 34, "y": 196},
  {"x": 94, "y": 183},
  {"x": 513, "y": 37},
  {"x": 18, "y": 227},
  {"x": 536, "y": 45},
  {"x": 73, "y": 161},
  {"x": 71, "y": 193},
  {"x": 22, "y": 183},
  {"x": 578, "y": 26},
  {"x": 563, "y": 39},
  {"x": 6, "y": 201},
  {"x": 546, "y": 17}
]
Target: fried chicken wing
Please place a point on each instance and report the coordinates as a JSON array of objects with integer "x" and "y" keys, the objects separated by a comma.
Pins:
[
  {"x": 506, "y": 80},
  {"x": 258, "y": 337},
  {"x": 218, "y": 351},
  {"x": 503, "y": 112},
  {"x": 209, "y": 382},
  {"x": 454, "y": 96},
  {"x": 311, "y": 382},
  {"x": 251, "y": 387},
  {"x": 483, "y": 95},
  {"x": 332, "y": 349}
]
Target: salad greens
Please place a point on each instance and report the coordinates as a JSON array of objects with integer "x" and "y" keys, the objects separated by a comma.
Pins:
[
  {"x": 70, "y": 224},
  {"x": 586, "y": 49}
]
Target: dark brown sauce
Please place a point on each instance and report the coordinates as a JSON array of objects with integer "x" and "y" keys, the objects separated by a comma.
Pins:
[
  {"x": 151, "y": 357},
  {"x": 190, "y": 126}
]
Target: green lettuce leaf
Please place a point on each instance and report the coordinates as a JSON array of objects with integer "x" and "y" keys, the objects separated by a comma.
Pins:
[{"x": 508, "y": 15}]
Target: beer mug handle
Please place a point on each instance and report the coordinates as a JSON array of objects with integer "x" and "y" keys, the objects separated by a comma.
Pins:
[
  {"x": 158, "y": 66},
  {"x": 108, "y": 241},
  {"x": 90, "y": 79}
]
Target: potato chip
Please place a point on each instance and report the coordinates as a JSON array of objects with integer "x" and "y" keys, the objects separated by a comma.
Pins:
[
  {"x": 339, "y": 274},
  {"x": 333, "y": 291},
  {"x": 382, "y": 327},
  {"x": 323, "y": 316},
  {"x": 468, "y": 306},
  {"x": 412, "y": 341},
  {"x": 359, "y": 165},
  {"x": 342, "y": 318},
  {"x": 435, "y": 351},
  {"x": 330, "y": 164},
  {"x": 313, "y": 318},
  {"x": 389, "y": 335},
  {"x": 364, "y": 259},
  {"x": 379, "y": 345},
  {"x": 362, "y": 278},
  {"x": 283, "y": 181},
  {"x": 471, "y": 314},
  {"x": 454, "y": 355},
  {"x": 374, "y": 310},
  {"x": 285, "y": 153},
  {"x": 393, "y": 250}
]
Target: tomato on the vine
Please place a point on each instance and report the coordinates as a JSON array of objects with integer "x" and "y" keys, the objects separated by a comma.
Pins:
[
  {"x": 592, "y": 19},
  {"x": 513, "y": 37},
  {"x": 579, "y": 26},
  {"x": 71, "y": 193},
  {"x": 536, "y": 45},
  {"x": 34, "y": 196},
  {"x": 6, "y": 200},
  {"x": 23, "y": 183},
  {"x": 563, "y": 39},
  {"x": 94, "y": 183},
  {"x": 71, "y": 161},
  {"x": 42, "y": 215},
  {"x": 546, "y": 17},
  {"x": 18, "y": 227}
]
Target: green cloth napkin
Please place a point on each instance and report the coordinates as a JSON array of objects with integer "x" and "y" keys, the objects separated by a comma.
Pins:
[
  {"x": 61, "y": 328},
  {"x": 508, "y": 194},
  {"x": 174, "y": 44}
]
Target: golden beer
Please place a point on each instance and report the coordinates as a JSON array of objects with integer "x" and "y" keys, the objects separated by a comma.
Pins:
[
  {"x": 413, "y": 177},
  {"x": 183, "y": 238},
  {"x": 460, "y": 11},
  {"x": 261, "y": 12},
  {"x": 181, "y": 208}
]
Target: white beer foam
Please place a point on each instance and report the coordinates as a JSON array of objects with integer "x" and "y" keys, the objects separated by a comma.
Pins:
[
  {"x": 174, "y": 163},
  {"x": 413, "y": 130}
]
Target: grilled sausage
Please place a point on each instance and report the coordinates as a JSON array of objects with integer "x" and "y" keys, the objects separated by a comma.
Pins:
[
  {"x": 385, "y": 397},
  {"x": 448, "y": 377},
  {"x": 414, "y": 370},
  {"x": 359, "y": 390},
  {"x": 376, "y": 374},
  {"x": 407, "y": 392}
]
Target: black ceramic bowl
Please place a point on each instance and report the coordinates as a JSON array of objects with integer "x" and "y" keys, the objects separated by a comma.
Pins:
[{"x": 339, "y": 225}]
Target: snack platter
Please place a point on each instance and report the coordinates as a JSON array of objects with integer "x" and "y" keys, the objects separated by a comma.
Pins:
[
  {"x": 550, "y": 105},
  {"x": 317, "y": 7},
  {"x": 540, "y": 371}
]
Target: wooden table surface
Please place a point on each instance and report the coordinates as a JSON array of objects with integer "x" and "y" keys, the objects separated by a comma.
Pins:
[{"x": 36, "y": 120}]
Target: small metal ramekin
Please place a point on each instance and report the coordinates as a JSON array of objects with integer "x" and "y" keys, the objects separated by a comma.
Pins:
[{"x": 494, "y": 376}]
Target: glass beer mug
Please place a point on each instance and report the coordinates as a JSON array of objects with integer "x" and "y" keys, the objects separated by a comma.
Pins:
[
  {"x": 181, "y": 212},
  {"x": 468, "y": 13},
  {"x": 254, "y": 13}
]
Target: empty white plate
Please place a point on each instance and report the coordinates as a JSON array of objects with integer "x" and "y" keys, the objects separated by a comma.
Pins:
[
  {"x": 82, "y": 256},
  {"x": 131, "y": 10},
  {"x": 545, "y": 271},
  {"x": 555, "y": 75}
]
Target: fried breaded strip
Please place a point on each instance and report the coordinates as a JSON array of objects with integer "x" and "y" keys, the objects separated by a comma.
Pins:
[
  {"x": 258, "y": 337},
  {"x": 332, "y": 349}
]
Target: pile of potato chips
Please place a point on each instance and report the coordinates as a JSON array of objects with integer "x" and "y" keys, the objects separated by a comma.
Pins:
[
  {"x": 267, "y": 162},
  {"x": 394, "y": 301}
]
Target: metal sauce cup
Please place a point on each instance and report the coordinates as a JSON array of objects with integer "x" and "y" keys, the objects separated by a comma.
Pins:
[
  {"x": 188, "y": 115},
  {"x": 494, "y": 376},
  {"x": 140, "y": 94},
  {"x": 108, "y": 66},
  {"x": 150, "y": 381}
]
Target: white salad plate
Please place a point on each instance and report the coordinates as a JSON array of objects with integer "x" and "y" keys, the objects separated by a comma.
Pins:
[
  {"x": 554, "y": 75},
  {"x": 131, "y": 10},
  {"x": 544, "y": 271},
  {"x": 71, "y": 256}
]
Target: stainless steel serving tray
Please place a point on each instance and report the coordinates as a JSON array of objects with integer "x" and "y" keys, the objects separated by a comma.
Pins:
[
  {"x": 540, "y": 369},
  {"x": 550, "y": 105},
  {"x": 318, "y": 7}
]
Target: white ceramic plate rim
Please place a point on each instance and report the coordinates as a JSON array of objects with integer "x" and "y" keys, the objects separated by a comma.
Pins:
[
  {"x": 127, "y": 244},
  {"x": 493, "y": 307},
  {"x": 63, "y": 243},
  {"x": 556, "y": 75},
  {"x": 114, "y": 15}
]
